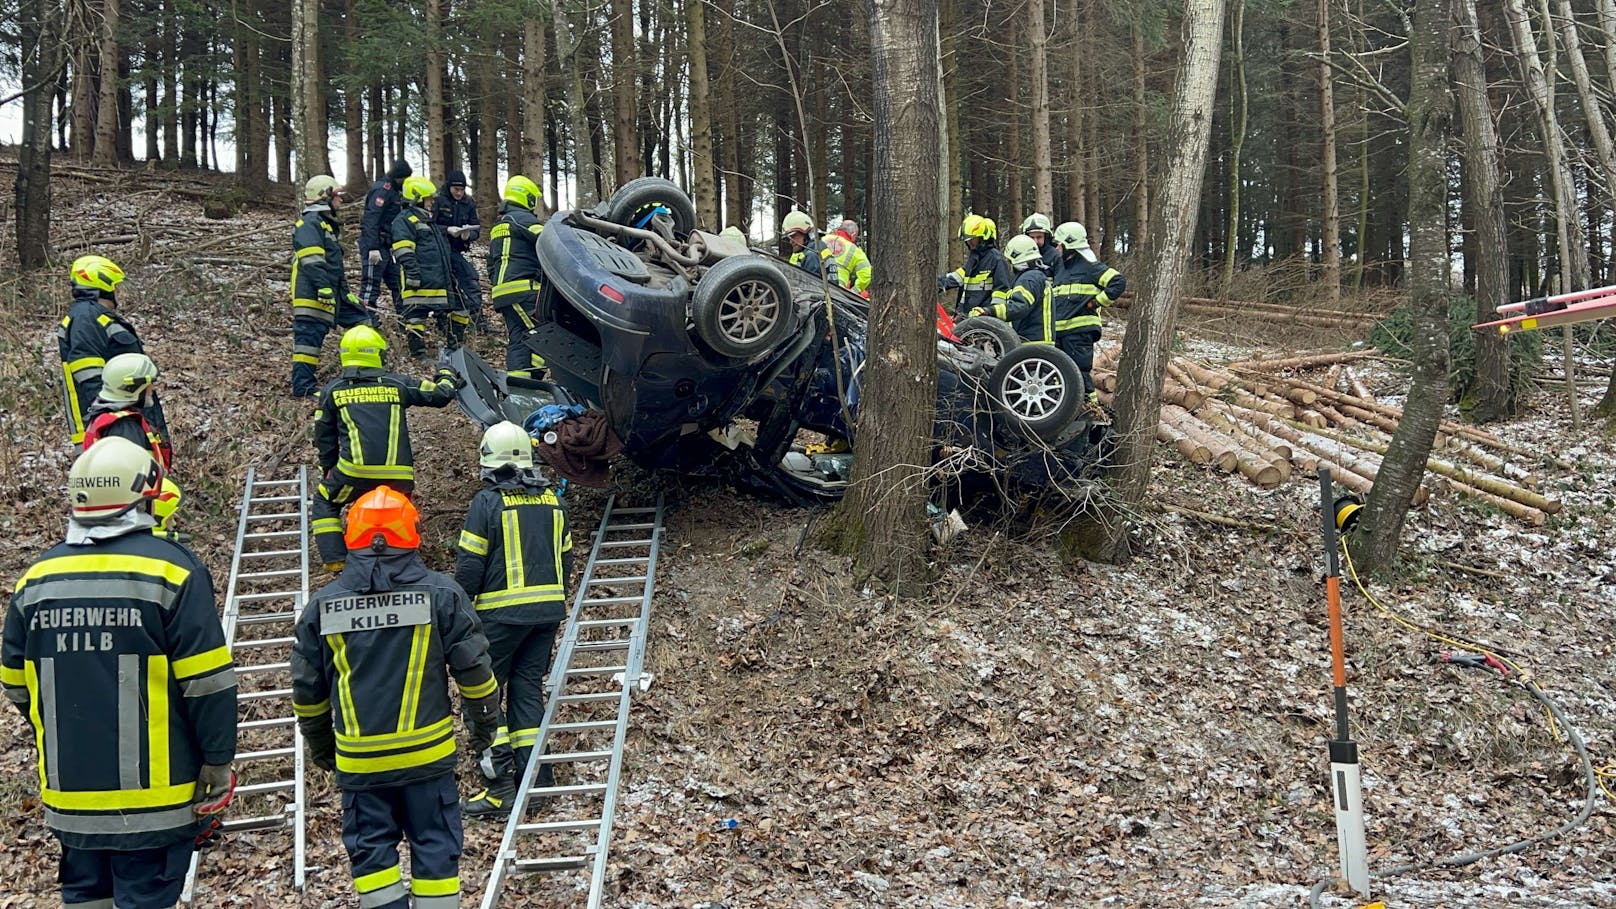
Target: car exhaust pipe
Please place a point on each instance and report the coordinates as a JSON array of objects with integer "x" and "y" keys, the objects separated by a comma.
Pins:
[{"x": 655, "y": 239}]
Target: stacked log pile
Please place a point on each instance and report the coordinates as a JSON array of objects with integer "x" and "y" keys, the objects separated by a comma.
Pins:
[
  {"x": 1258, "y": 418},
  {"x": 1312, "y": 317}
]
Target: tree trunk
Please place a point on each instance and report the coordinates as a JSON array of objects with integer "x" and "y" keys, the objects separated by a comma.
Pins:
[
  {"x": 1038, "y": 41},
  {"x": 954, "y": 212},
  {"x": 308, "y": 93},
  {"x": 1607, "y": 27},
  {"x": 485, "y": 172},
  {"x": 353, "y": 115},
  {"x": 1568, "y": 229},
  {"x": 375, "y": 131},
  {"x": 168, "y": 116},
  {"x": 624, "y": 135},
  {"x": 1484, "y": 203},
  {"x": 106, "y": 114},
  {"x": 437, "y": 138},
  {"x": 1078, "y": 190},
  {"x": 1150, "y": 320},
  {"x": 534, "y": 96},
  {"x": 1330, "y": 227},
  {"x": 584, "y": 169},
  {"x": 1237, "y": 140},
  {"x": 1430, "y": 109},
  {"x": 40, "y": 50},
  {"x": 883, "y": 519},
  {"x": 1141, "y": 133},
  {"x": 704, "y": 188},
  {"x": 80, "y": 29}
]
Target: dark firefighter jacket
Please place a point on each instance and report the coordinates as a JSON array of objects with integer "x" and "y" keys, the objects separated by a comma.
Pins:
[
  {"x": 513, "y": 256},
  {"x": 317, "y": 279},
  {"x": 447, "y": 211},
  {"x": 984, "y": 278},
  {"x": 360, "y": 427},
  {"x": 1026, "y": 306},
  {"x": 129, "y": 422},
  {"x": 1050, "y": 257},
  {"x": 813, "y": 258},
  {"x": 515, "y": 552},
  {"x": 422, "y": 251},
  {"x": 113, "y": 647},
  {"x": 372, "y": 650},
  {"x": 1081, "y": 288},
  {"x": 381, "y": 208},
  {"x": 89, "y": 336}
]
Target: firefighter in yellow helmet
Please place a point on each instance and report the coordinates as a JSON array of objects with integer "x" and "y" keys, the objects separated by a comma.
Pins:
[
  {"x": 163, "y": 509},
  {"x": 807, "y": 252},
  {"x": 985, "y": 278},
  {"x": 113, "y": 651},
  {"x": 427, "y": 263},
  {"x": 93, "y": 332},
  {"x": 514, "y": 273},
  {"x": 320, "y": 295},
  {"x": 362, "y": 435},
  {"x": 371, "y": 661}
]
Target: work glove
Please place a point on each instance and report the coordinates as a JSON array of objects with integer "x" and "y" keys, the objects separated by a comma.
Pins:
[
  {"x": 482, "y": 722},
  {"x": 976, "y": 313},
  {"x": 950, "y": 280},
  {"x": 320, "y": 743},
  {"x": 215, "y": 785},
  {"x": 447, "y": 375},
  {"x": 353, "y": 298},
  {"x": 327, "y": 295},
  {"x": 374, "y": 257}
]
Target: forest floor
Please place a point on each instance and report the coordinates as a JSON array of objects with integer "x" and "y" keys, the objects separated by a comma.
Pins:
[{"x": 1034, "y": 734}]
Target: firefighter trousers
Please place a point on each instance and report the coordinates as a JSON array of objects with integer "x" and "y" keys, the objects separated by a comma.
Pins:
[
  {"x": 468, "y": 288},
  {"x": 517, "y": 311},
  {"x": 1079, "y": 345},
  {"x": 140, "y": 879},
  {"x": 372, "y": 277},
  {"x": 308, "y": 335},
  {"x": 451, "y": 324},
  {"x": 334, "y": 493},
  {"x": 520, "y": 656},
  {"x": 425, "y": 813}
]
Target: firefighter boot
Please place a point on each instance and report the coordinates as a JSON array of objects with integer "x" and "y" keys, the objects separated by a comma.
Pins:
[{"x": 495, "y": 800}]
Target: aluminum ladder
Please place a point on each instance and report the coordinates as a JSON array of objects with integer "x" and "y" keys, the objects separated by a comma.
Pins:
[
  {"x": 598, "y": 667},
  {"x": 269, "y": 584}
]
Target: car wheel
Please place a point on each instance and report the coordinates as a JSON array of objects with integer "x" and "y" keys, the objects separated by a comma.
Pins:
[
  {"x": 992, "y": 336},
  {"x": 1038, "y": 387},
  {"x": 633, "y": 199},
  {"x": 742, "y": 307}
]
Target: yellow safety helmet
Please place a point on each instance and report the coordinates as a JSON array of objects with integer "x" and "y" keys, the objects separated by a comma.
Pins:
[
  {"x": 98, "y": 272},
  {"x": 1022, "y": 250},
  {"x": 126, "y": 377},
  {"x": 519, "y": 190},
  {"x": 979, "y": 227},
  {"x": 419, "y": 189},
  {"x": 111, "y": 477},
  {"x": 795, "y": 221},
  {"x": 506, "y": 445},
  {"x": 362, "y": 346},
  {"x": 1072, "y": 236},
  {"x": 166, "y": 503}
]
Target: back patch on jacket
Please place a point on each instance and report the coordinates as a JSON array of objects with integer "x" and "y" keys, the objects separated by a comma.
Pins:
[{"x": 375, "y": 612}]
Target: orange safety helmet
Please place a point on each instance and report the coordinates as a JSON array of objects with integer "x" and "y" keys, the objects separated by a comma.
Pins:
[{"x": 386, "y": 512}]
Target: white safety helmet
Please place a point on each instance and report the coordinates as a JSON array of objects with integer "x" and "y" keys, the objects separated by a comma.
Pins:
[
  {"x": 1022, "y": 250},
  {"x": 1036, "y": 221},
  {"x": 111, "y": 477},
  {"x": 506, "y": 445},
  {"x": 126, "y": 377},
  {"x": 1072, "y": 236}
]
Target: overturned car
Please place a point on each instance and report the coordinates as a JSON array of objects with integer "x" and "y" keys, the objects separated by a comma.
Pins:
[{"x": 705, "y": 356}]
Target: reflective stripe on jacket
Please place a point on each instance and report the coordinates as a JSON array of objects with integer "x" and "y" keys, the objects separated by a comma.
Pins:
[
  {"x": 515, "y": 553},
  {"x": 813, "y": 258},
  {"x": 360, "y": 427},
  {"x": 513, "y": 256},
  {"x": 113, "y": 648},
  {"x": 1026, "y": 307},
  {"x": 852, "y": 265},
  {"x": 317, "y": 279},
  {"x": 985, "y": 278},
  {"x": 1081, "y": 288},
  {"x": 89, "y": 336},
  {"x": 422, "y": 251},
  {"x": 374, "y": 650}
]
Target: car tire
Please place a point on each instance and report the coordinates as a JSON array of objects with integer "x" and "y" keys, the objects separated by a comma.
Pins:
[
  {"x": 1038, "y": 387},
  {"x": 985, "y": 333},
  {"x": 742, "y": 307},
  {"x": 629, "y": 203}
]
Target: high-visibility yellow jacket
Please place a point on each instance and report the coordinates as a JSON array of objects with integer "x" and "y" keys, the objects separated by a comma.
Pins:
[
  {"x": 852, "y": 265},
  {"x": 515, "y": 552},
  {"x": 89, "y": 335},
  {"x": 1081, "y": 287},
  {"x": 513, "y": 256},
  {"x": 422, "y": 251},
  {"x": 984, "y": 279},
  {"x": 318, "y": 282},
  {"x": 1026, "y": 306},
  {"x": 113, "y": 649},
  {"x": 360, "y": 427}
]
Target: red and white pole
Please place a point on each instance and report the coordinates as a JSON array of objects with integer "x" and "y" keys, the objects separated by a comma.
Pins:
[{"x": 1344, "y": 779}]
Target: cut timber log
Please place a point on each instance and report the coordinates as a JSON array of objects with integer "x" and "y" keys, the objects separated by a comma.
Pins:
[
  {"x": 1329, "y": 452},
  {"x": 1307, "y": 361}
]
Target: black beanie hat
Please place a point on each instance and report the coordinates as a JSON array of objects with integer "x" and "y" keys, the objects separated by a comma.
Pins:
[
  {"x": 400, "y": 169},
  {"x": 457, "y": 178}
]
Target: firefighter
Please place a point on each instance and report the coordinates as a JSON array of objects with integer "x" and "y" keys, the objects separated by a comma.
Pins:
[
  {"x": 376, "y": 241},
  {"x": 1082, "y": 287},
  {"x": 455, "y": 211},
  {"x": 514, "y": 273},
  {"x": 112, "y": 649},
  {"x": 375, "y": 648},
  {"x": 852, "y": 265},
  {"x": 1038, "y": 226},
  {"x": 163, "y": 508},
  {"x": 320, "y": 295},
  {"x": 424, "y": 257},
  {"x": 1026, "y": 306},
  {"x": 514, "y": 558},
  {"x": 128, "y": 389},
  {"x": 92, "y": 333},
  {"x": 362, "y": 435},
  {"x": 807, "y": 252},
  {"x": 984, "y": 279}
]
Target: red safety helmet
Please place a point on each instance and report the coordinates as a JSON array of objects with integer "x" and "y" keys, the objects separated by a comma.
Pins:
[{"x": 386, "y": 512}]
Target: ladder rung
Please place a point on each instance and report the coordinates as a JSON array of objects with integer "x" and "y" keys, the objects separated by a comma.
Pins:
[
  {"x": 597, "y": 670},
  {"x": 579, "y": 789},
  {"x": 264, "y": 667},
  {"x": 561, "y": 863},
  {"x": 265, "y": 788},
  {"x": 615, "y": 644},
  {"x": 612, "y": 528},
  {"x": 617, "y": 544},
  {"x": 628, "y": 560},
  {"x": 266, "y": 618},
  {"x": 637, "y": 510},
  {"x": 607, "y": 623},
  {"x": 275, "y": 516},
  {"x": 266, "y": 595},
  {"x": 274, "y": 482},
  {"x": 263, "y": 642},
  {"x": 255, "y": 823},
  {"x": 630, "y": 579},
  {"x": 263, "y": 695},
  {"x": 583, "y": 726},
  {"x": 259, "y": 500},
  {"x": 271, "y": 534},
  {"x": 276, "y": 723},
  {"x": 273, "y": 573},
  {"x": 271, "y": 553},
  {"x": 265, "y": 755},
  {"x": 575, "y": 757},
  {"x": 608, "y": 601},
  {"x": 592, "y": 823},
  {"x": 594, "y": 697}
]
